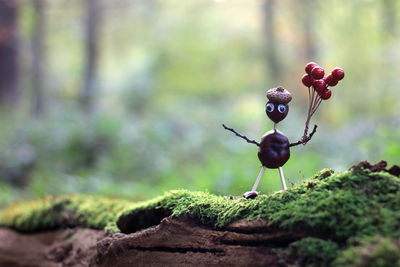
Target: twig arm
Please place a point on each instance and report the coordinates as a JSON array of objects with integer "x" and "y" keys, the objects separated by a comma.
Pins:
[
  {"x": 240, "y": 135},
  {"x": 305, "y": 140}
]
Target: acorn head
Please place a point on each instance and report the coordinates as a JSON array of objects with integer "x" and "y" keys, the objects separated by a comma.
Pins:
[{"x": 279, "y": 95}]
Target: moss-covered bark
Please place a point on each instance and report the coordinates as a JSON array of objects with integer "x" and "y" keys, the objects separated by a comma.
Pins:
[{"x": 337, "y": 214}]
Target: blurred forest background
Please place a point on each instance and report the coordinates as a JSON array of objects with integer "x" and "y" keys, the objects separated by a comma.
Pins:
[{"x": 127, "y": 97}]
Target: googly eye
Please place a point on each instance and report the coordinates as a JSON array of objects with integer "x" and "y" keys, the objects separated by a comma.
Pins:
[
  {"x": 281, "y": 108},
  {"x": 270, "y": 107}
]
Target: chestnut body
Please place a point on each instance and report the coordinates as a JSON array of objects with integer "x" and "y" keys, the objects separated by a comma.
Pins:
[{"x": 274, "y": 150}]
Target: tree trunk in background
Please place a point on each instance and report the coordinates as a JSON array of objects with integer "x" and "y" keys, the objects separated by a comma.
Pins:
[
  {"x": 270, "y": 40},
  {"x": 308, "y": 24},
  {"x": 389, "y": 16},
  {"x": 38, "y": 57},
  {"x": 8, "y": 51},
  {"x": 91, "y": 52}
]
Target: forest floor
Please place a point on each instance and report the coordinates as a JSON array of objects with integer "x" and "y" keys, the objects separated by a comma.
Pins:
[{"x": 345, "y": 219}]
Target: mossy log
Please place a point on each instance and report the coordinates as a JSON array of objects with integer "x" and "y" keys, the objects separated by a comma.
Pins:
[{"x": 345, "y": 219}]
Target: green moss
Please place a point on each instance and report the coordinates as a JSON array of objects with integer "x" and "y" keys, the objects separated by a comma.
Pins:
[
  {"x": 337, "y": 210},
  {"x": 313, "y": 252},
  {"x": 61, "y": 211},
  {"x": 372, "y": 252}
]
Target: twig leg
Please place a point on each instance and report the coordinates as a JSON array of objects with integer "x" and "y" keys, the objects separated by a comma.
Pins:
[
  {"x": 258, "y": 179},
  {"x": 253, "y": 193},
  {"x": 282, "y": 178}
]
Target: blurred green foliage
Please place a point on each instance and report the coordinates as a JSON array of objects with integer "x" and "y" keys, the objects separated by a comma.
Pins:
[{"x": 170, "y": 73}]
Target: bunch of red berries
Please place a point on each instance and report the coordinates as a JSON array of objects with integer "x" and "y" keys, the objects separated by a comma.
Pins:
[
  {"x": 318, "y": 88},
  {"x": 315, "y": 79}
]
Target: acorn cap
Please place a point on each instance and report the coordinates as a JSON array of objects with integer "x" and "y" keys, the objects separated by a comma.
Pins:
[{"x": 279, "y": 95}]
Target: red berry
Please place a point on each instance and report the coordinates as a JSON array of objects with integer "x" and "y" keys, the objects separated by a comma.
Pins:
[
  {"x": 310, "y": 66},
  {"x": 317, "y": 73},
  {"x": 333, "y": 82},
  {"x": 328, "y": 78},
  {"x": 307, "y": 80},
  {"x": 320, "y": 85},
  {"x": 326, "y": 94},
  {"x": 338, "y": 74}
]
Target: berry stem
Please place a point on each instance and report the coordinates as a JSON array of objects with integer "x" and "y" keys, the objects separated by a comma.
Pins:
[
  {"x": 314, "y": 100},
  {"x": 314, "y": 103},
  {"x": 317, "y": 106}
]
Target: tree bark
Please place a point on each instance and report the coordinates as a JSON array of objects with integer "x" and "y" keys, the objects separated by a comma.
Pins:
[
  {"x": 93, "y": 11},
  {"x": 389, "y": 16},
  {"x": 62, "y": 247},
  {"x": 175, "y": 241},
  {"x": 271, "y": 41},
  {"x": 38, "y": 36},
  {"x": 310, "y": 50},
  {"x": 184, "y": 242},
  {"x": 9, "y": 51}
]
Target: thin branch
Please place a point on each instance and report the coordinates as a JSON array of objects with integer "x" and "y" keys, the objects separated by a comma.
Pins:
[
  {"x": 306, "y": 139},
  {"x": 240, "y": 135}
]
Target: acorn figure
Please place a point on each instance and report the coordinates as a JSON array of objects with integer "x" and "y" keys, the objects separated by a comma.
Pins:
[{"x": 274, "y": 148}]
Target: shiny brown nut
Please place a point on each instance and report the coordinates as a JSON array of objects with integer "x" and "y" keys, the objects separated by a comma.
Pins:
[
  {"x": 274, "y": 150},
  {"x": 279, "y": 95},
  {"x": 276, "y": 111}
]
